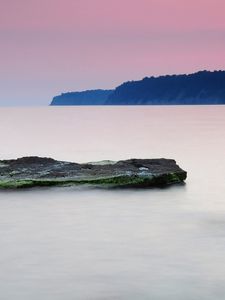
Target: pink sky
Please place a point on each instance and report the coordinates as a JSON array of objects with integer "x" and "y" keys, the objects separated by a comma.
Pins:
[{"x": 52, "y": 46}]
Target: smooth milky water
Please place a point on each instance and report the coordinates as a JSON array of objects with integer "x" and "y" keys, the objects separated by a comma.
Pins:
[{"x": 90, "y": 244}]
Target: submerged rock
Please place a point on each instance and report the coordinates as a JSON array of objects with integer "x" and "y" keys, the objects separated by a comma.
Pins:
[{"x": 139, "y": 173}]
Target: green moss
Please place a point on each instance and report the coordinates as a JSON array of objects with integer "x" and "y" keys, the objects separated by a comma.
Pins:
[
  {"x": 118, "y": 181},
  {"x": 169, "y": 178}
]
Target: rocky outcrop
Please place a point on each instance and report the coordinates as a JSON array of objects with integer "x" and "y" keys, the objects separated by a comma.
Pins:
[{"x": 139, "y": 173}]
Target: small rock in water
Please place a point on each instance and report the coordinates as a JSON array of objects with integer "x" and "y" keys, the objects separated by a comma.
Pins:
[{"x": 139, "y": 173}]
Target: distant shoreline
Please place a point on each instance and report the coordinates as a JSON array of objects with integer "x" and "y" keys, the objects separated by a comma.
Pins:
[{"x": 201, "y": 88}]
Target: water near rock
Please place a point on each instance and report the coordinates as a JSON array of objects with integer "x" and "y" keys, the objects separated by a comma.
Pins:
[
  {"x": 38, "y": 171},
  {"x": 115, "y": 244}
]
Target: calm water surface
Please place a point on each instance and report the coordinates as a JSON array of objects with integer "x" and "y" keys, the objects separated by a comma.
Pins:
[{"x": 88, "y": 244}]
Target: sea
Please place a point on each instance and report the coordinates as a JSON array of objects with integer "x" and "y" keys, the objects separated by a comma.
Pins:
[{"x": 74, "y": 243}]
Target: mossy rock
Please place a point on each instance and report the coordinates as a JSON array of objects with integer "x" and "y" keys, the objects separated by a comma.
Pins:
[{"x": 29, "y": 172}]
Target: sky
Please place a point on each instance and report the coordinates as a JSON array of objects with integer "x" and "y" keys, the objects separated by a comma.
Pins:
[{"x": 52, "y": 46}]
